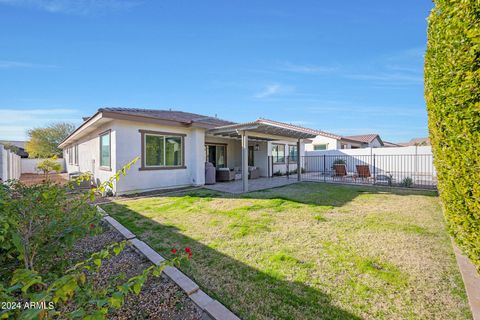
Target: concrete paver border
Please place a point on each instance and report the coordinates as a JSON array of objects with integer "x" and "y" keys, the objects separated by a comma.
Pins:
[
  {"x": 212, "y": 307},
  {"x": 471, "y": 279}
]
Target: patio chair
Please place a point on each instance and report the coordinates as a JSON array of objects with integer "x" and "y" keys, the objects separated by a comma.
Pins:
[
  {"x": 363, "y": 172},
  {"x": 253, "y": 173},
  {"x": 225, "y": 174},
  {"x": 340, "y": 171}
]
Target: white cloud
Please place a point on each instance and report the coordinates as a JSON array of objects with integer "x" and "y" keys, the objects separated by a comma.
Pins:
[
  {"x": 272, "y": 90},
  {"x": 14, "y": 123},
  {"x": 396, "y": 78},
  {"x": 307, "y": 68},
  {"x": 8, "y": 64},
  {"x": 81, "y": 7}
]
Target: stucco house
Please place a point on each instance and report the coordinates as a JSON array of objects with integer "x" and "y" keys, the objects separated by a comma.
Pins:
[
  {"x": 330, "y": 141},
  {"x": 173, "y": 147}
]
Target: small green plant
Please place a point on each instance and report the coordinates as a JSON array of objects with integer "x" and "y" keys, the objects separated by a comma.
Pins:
[
  {"x": 278, "y": 173},
  {"x": 407, "y": 182},
  {"x": 338, "y": 161},
  {"x": 49, "y": 165},
  {"x": 302, "y": 170},
  {"x": 38, "y": 224}
]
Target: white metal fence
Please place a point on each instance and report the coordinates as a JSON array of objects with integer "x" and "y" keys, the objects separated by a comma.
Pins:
[{"x": 412, "y": 166}]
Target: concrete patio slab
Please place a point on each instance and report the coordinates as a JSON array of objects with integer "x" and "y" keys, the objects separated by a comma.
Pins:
[{"x": 236, "y": 186}]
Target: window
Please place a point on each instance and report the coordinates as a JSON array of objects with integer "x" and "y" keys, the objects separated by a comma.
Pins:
[
  {"x": 75, "y": 152},
  {"x": 69, "y": 155},
  {"x": 292, "y": 153},
  {"x": 162, "y": 150},
  {"x": 216, "y": 154},
  {"x": 318, "y": 147},
  {"x": 105, "y": 150},
  {"x": 278, "y": 153}
]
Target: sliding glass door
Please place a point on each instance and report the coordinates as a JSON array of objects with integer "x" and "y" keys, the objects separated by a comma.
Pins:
[{"x": 216, "y": 154}]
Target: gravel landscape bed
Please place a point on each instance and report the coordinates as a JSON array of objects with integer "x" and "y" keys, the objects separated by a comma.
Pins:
[{"x": 160, "y": 298}]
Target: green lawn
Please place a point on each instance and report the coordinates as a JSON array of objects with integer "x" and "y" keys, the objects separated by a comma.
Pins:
[{"x": 310, "y": 250}]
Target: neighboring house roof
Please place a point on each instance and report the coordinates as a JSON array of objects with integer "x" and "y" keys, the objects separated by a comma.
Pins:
[
  {"x": 391, "y": 144},
  {"x": 416, "y": 142},
  {"x": 266, "y": 126},
  {"x": 364, "y": 138},
  {"x": 16, "y": 143},
  {"x": 327, "y": 134},
  {"x": 19, "y": 144}
]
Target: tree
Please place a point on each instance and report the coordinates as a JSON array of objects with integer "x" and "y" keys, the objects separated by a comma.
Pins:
[
  {"x": 452, "y": 93},
  {"x": 49, "y": 165},
  {"x": 43, "y": 142}
]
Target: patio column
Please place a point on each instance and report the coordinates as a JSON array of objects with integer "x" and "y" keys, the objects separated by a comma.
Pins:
[
  {"x": 299, "y": 169},
  {"x": 245, "y": 161}
]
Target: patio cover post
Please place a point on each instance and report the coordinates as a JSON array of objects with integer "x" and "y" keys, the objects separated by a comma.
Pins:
[
  {"x": 299, "y": 170},
  {"x": 245, "y": 161}
]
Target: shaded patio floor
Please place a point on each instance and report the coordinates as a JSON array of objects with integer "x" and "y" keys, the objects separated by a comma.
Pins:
[{"x": 236, "y": 186}]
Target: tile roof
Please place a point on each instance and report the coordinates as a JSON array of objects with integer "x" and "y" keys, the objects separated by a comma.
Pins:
[
  {"x": 365, "y": 138},
  {"x": 417, "y": 142},
  {"x": 171, "y": 115}
]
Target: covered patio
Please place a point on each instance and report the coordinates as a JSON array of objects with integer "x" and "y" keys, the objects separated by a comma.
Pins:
[{"x": 260, "y": 130}]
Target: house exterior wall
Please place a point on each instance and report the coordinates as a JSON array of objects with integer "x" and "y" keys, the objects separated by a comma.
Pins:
[
  {"x": 89, "y": 154},
  {"x": 260, "y": 156},
  {"x": 234, "y": 150},
  {"x": 284, "y": 167},
  {"x": 126, "y": 145},
  {"x": 129, "y": 147},
  {"x": 352, "y": 145},
  {"x": 375, "y": 143},
  {"x": 332, "y": 144}
]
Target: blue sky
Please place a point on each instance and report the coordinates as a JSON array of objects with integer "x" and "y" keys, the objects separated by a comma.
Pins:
[{"x": 347, "y": 67}]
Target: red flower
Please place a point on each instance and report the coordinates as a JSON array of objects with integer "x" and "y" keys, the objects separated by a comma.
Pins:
[
  {"x": 189, "y": 251},
  {"x": 173, "y": 250},
  {"x": 92, "y": 225}
]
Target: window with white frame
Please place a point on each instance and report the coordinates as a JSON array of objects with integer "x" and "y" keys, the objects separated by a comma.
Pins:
[
  {"x": 105, "y": 150},
  {"x": 319, "y": 147},
  {"x": 278, "y": 153},
  {"x": 75, "y": 154},
  {"x": 292, "y": 153},
  {"x": 162, "y": 150}
]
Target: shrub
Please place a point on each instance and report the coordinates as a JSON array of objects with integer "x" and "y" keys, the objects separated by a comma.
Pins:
[
  {"x": 37, "y": 225},
  {"x": 452, "y": 93},
  {"x": 406, "y": 182},
  {"x": 48, "y": 165},
  {"x": 338, "y": 161}
]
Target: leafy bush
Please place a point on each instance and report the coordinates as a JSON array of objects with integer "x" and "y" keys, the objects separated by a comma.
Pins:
[
  {"x": 338, "y": 161},
  {"x": 407, "y": 182},
  {"x": 37, "y": 225},
  {"x": 48, "y": 165},
  {"x": 452, "y": 92},
  {"x": 278, "y": 173}
]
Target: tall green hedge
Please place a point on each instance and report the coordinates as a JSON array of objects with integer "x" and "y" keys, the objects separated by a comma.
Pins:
[{"x": 452, "y": 92}]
